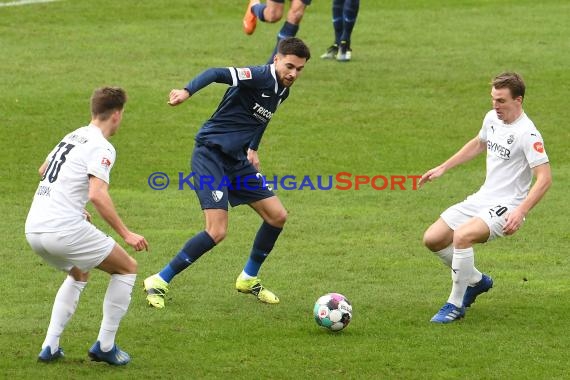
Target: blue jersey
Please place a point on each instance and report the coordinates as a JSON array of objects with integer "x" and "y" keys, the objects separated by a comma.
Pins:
[{"x": 245, "y": 110}]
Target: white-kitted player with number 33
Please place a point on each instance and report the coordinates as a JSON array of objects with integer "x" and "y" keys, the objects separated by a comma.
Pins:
[
  {"x": 515, "y": 153},
  {"x": 76, "y": 171}
]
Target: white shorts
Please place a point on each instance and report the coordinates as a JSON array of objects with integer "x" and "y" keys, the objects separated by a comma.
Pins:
[
  {"x": 494, "y": 216},
  {"x": 85, "y": 247}
]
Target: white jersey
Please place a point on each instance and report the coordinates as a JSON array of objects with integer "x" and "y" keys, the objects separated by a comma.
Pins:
[
  {"x": 512, "y": 151},
  {"x": 63, "y": 191}
]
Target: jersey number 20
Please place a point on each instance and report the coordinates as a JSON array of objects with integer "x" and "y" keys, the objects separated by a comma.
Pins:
[{"x": 497, "y": 210}]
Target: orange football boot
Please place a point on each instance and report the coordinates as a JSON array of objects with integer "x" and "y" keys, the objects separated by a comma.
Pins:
[{"x": 249, "y": 19}]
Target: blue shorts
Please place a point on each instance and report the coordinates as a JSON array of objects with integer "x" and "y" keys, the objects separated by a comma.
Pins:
[{"x": 219, "y": 179}]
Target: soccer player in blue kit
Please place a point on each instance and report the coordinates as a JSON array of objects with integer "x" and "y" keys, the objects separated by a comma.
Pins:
[{"x": 225, "y": 154}]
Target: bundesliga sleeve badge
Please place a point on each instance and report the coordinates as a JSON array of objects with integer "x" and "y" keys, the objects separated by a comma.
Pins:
[{"x": 243, "y": 73}]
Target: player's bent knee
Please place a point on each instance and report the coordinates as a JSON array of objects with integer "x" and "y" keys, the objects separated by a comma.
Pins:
[
  {"x": 79, "y": 275},
  {"x": 282, "y": 217},
  {"x": 272, "y": 15},
  {"x": 127, "y": 266},
  {"x": 295, "y": 17},
  {"x": 465, "y": 238},
  {"x": 119, "y": 262},
  {"x": 430, "y": 242},
  {"x": 133, "y": 266},
  {"x": 461, "y": 240},
  {"x": 278, "y": 219},
  {"x": 438, "y": 236},
  {"x": 217, "y": 235}
]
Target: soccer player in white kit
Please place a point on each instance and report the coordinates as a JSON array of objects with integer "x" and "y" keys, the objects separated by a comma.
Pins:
[
  {"x": 515, "y": 153},
  {"x": 59, "y": 230}
]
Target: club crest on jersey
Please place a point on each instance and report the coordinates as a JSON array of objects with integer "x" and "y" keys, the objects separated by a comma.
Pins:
[
  {"x": 106, "y": 163},
  {"x": 244, "y": 73},
  {"x": 510, "y": 139},
  {"x": 538, "y": 147},
  {"x": 217, "y": 195}
]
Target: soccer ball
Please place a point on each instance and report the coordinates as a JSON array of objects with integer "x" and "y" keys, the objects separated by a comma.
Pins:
[{"x": 333, "y": 311}]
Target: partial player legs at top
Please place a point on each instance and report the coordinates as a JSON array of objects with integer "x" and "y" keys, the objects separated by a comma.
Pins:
[
  {"x": 292, "y": 24},
  {"x": 344, "y": 14},
  {"x": 271, "y": 12},
  {"x": 250, "y": 19}
]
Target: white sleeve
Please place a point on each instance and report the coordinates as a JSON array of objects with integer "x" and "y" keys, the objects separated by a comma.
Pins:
[
  {"x": 100, "y": 162},
  {"x": 483, "y": 130},
  {"x": 533, "y": 147}
]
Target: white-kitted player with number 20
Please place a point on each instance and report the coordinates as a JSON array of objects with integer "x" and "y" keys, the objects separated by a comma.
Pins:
[
  {"x": 59, "y": 230},
  {"x": 515, "y": 153}
]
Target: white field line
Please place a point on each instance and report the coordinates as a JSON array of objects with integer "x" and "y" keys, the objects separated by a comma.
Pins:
[{"x": 24, "y": 2}]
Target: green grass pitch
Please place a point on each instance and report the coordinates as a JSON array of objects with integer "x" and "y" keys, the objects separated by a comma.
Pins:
[{"x": 416, "y": 91}]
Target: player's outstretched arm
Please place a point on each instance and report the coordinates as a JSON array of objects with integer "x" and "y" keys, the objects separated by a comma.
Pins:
[
  {"x": 101, "y": 199},
  {"x": 431, "y": 174},
  {"x": 217, "y": 75},
  {"x": 473, "y": 148}
]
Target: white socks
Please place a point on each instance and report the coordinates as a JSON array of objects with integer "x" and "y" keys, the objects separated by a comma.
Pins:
[
  {"x": 115, "y": 305},
  {"x": 246, "y": 276},
  {"x": 446, "y": 255},
  {"x": 461, "y": 272},
  {"x": 64, "y": 306}
]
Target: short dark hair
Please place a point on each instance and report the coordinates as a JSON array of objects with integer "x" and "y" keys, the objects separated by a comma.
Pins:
[
  {"x": 106, "y": 100},
  {"x": 511, "y": 80},
  {"x": 294, "y": 46}
]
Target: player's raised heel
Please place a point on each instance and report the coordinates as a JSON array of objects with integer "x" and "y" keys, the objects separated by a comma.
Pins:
[
  {"x": 115, "y": 356},
  {"x": 481, "y": 287},
  {"x": 448, "y": 313},
  {"x": 155, "y": 288},
  {"x": 253, "y": 286},
  {"x": 46, "y": 356}
]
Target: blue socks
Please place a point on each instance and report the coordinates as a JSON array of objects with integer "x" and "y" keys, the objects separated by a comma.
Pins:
[
  {"x": 257, "y": 10},
  {"x": 337, "y": 19},
  {"x": 344, "y": 13},
  {"x": 202, "y": 242},
  {"x": 262, "y": 245},
  {"x": 350, "y": 12},
  {"x": 288, "y": 30},
  {"x": 192, "y": 250}
]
